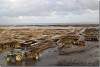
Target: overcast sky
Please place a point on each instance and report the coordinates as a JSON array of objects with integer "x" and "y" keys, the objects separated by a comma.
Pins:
[{"x": 48, "y": 11}]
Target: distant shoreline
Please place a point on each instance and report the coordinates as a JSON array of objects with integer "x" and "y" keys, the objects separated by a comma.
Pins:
[{"x": 75, "y": 25}]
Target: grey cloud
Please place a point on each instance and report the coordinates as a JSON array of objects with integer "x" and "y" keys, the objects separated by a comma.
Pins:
[
  {"x": 48, "y": 11},
  {"x": 45, "y": 7}
]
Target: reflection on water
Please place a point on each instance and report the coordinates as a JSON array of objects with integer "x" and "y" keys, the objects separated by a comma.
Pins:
[
  {"x": 21, "y": 60},
  {"x": 27, "y": 62}
]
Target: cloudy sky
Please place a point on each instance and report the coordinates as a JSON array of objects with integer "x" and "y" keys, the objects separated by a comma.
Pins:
[{"x": 49, "y": 11}]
